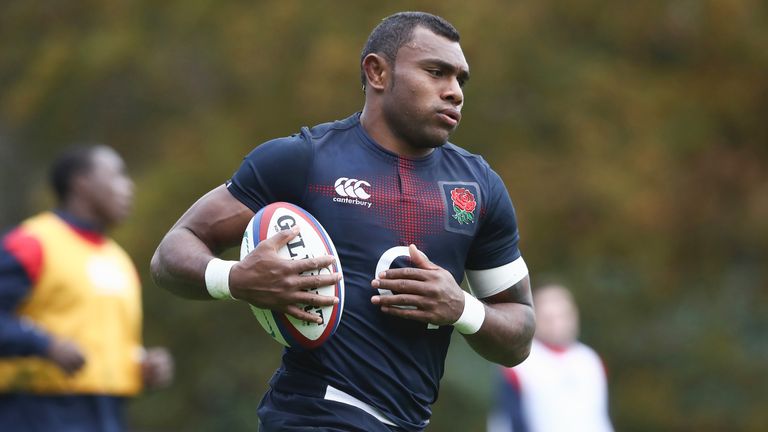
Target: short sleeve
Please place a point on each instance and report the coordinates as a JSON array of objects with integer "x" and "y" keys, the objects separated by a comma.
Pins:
[
  {"x": 277, "y": 170},
  {"x": 497, "y": 240},
  {"x": 21, "y": 256},
  {"x": 21, "y": 262}
]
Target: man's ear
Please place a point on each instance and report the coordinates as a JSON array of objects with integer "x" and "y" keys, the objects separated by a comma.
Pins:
[{"x": 377, "y": 71}]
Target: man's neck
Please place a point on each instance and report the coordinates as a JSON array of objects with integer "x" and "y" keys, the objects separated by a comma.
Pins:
[
  {"x": 375, "y": 125},
  {"x": 81, "y": 216}
]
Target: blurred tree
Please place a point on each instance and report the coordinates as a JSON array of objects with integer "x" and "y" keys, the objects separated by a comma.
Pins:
[{"x": 632, "y": 137}]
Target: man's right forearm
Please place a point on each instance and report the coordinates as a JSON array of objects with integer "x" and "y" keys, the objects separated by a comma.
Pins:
[{"x": 179, "y": 262}]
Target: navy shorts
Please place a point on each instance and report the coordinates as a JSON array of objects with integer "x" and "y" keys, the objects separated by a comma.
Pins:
[
  {"x": 81, "y": 413},
  {"x": 293, "y": 405}
]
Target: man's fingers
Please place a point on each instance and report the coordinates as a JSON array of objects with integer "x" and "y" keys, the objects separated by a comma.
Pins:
[
  {"x": 316, "y": 300},
  {"x": 302, "y": 315},
  {"x": 281, "y": 239},
  {"x": 401, "y": 286},
  {"x": 76, "y": 361},
  {"x": 419, "y": 258},
  {"x": 409, "y": 313},
  {"x": 67, "y": 355},
  {"x": 410, "y": 273},
  {"x": 314, "y": 263},
  {"x": 311, "y": 282},
  {"x": 284, "y": 237},
  {"x": 418, "y": 272},
  {"x": 158, "y": 367},
  {"x": 73, "y": 365},
  {"x": 411, "y": 301}
]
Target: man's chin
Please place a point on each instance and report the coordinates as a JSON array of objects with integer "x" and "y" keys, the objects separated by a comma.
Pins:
[
  {"x": 438, "y": 138},
  {"x": 440, "y": 141},
  {"x": 433, "y": 144}
]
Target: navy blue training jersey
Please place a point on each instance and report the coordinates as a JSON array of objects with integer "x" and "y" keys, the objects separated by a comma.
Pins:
[{"x": 450, "y": 204}]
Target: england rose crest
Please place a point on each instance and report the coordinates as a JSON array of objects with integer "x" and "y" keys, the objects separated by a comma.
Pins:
[{"x": 464, "y": 205}]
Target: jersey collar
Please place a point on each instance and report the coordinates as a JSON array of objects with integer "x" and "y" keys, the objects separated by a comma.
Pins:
[{"x": 86, "y": 230}]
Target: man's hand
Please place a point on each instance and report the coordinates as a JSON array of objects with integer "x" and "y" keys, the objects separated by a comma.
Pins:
[
  {"x": 266, "y": 280},
  {"x": 66, "y": 354},
  {"x": 427, "y": 286},
  {"x": 157, "y": 368}
]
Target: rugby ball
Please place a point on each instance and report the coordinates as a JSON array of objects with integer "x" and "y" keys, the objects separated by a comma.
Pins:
[{"x": 311, "y": 241}]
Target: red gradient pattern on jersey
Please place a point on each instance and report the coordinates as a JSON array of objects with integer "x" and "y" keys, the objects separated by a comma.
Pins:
[
  {"x": 415, "y": 209},
  {"x": 325, "y": 190},
  {"x": 402, "y": 202}
]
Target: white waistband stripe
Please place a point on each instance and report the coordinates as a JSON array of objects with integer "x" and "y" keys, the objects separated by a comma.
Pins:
[{"x": 334, "y": 394}]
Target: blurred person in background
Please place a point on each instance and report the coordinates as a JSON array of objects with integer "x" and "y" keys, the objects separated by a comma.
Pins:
[
  {"x": 70, "y": 306},
  {"x": 561, "y": 386}
]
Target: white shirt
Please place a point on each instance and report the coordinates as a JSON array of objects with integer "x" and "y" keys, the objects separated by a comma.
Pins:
[{"x": 562, "y": 390}]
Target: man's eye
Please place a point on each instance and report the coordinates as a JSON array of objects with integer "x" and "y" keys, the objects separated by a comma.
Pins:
[{"x": 435, "y": 72}]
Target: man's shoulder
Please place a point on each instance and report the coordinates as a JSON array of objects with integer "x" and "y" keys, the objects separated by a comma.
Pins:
[
  {"x": 25, "y": 247},
  {"x": 44, "y": 221},
  {"x": 323, "y": 129},
  {"x": 586, "y": 350},
  {"x": 472, "y": 161},
  {"x": 308, "y": 134},
  {"x": 453, "y": 150}
]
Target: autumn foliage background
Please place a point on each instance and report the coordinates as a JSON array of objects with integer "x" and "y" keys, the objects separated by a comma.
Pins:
[{"x": 632, "y": 136}]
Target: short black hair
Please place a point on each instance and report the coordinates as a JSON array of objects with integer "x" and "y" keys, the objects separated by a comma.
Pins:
[
  {"x": 396, "y": 30},
  {"x": 69, "y": 164}
]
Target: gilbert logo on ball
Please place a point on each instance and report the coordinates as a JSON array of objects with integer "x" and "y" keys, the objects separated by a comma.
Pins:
[{"x": 311, "y": 241}]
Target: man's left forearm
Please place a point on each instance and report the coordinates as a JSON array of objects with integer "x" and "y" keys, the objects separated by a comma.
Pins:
[{"x": 506, "y": 334}]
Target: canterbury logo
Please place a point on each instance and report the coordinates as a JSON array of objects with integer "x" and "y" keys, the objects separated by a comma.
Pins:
[{"x": 352, "y": 188}]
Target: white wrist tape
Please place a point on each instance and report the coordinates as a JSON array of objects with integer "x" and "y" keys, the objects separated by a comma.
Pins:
[
  {"x": 472, "y": 317},
  {"x": 217, "y": 278}
]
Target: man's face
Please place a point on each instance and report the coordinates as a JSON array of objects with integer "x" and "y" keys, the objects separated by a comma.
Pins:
[
  {"x": 557, "y": 320},
  {"x": 422, "y": 105},
  {"x": 107, "y": 187}
]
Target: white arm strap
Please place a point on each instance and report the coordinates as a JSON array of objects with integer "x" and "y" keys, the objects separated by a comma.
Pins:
[{"x": 485, "y": 283}]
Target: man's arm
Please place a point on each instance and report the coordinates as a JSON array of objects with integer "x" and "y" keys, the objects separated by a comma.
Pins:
[
  {"x": 507, "y": 331},
  {"x": 507, "y": 328},
  {"x": 217, "y": 222},
  {"x": 21, "y": 259},
  {"x": 214, "y": 223}
]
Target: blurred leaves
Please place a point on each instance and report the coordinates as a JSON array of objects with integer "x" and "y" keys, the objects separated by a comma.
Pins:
[{"x": 632, "y": 137}]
